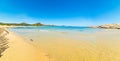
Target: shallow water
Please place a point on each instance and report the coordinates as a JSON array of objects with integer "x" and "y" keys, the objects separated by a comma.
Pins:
[{"x": 74, "y": 43}]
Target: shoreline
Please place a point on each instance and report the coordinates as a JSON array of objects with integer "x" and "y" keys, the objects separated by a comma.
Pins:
[
  {"x": 102, "y": 45},
  {"x": 19, "y": 50}
]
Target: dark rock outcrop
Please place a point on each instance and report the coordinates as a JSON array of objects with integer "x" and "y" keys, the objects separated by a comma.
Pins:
[{"x": 3, "y": 41}]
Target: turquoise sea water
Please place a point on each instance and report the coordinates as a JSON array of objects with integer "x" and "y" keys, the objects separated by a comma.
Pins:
[{"x": 57, "y": 28}]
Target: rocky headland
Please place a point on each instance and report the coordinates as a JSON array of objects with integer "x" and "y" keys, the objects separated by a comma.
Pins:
[{"x": 108, "y": 26}]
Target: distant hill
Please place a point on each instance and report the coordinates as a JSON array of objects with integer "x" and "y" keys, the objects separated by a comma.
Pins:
[{"x": 22, "y": 24}]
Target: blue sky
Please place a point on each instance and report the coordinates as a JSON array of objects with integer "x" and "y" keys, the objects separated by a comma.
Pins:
[{"x": 61, "y": 12}]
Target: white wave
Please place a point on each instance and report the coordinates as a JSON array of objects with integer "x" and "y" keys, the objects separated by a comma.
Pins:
[{"x": 44, "y": 30}]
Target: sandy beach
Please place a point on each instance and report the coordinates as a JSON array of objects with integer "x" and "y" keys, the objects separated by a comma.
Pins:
[
  {"x": 43, "y": 45},
  {"x": 62, "y": 46},
  {"x": 72, "y": 46},
  {"x": 19, "y": 50},
  {"x": 59, "y": 30}
]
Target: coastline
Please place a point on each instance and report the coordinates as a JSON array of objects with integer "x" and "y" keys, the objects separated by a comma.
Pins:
[
  {"x": 19, "y": 50},
  {"x": 100, "y": 45},
  {"x": 107, "y": 26}
]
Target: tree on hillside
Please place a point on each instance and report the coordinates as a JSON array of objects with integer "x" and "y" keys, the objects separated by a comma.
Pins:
[
  {"x": 24, "y": 24},
  {"x": 37, "y": 24}
]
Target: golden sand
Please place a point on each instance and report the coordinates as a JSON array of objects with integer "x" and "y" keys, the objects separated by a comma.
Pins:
[{"x": 21, "y": 51}]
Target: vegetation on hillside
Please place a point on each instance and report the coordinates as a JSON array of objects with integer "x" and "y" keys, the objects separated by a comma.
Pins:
[{"x": 21, "y": 24}]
